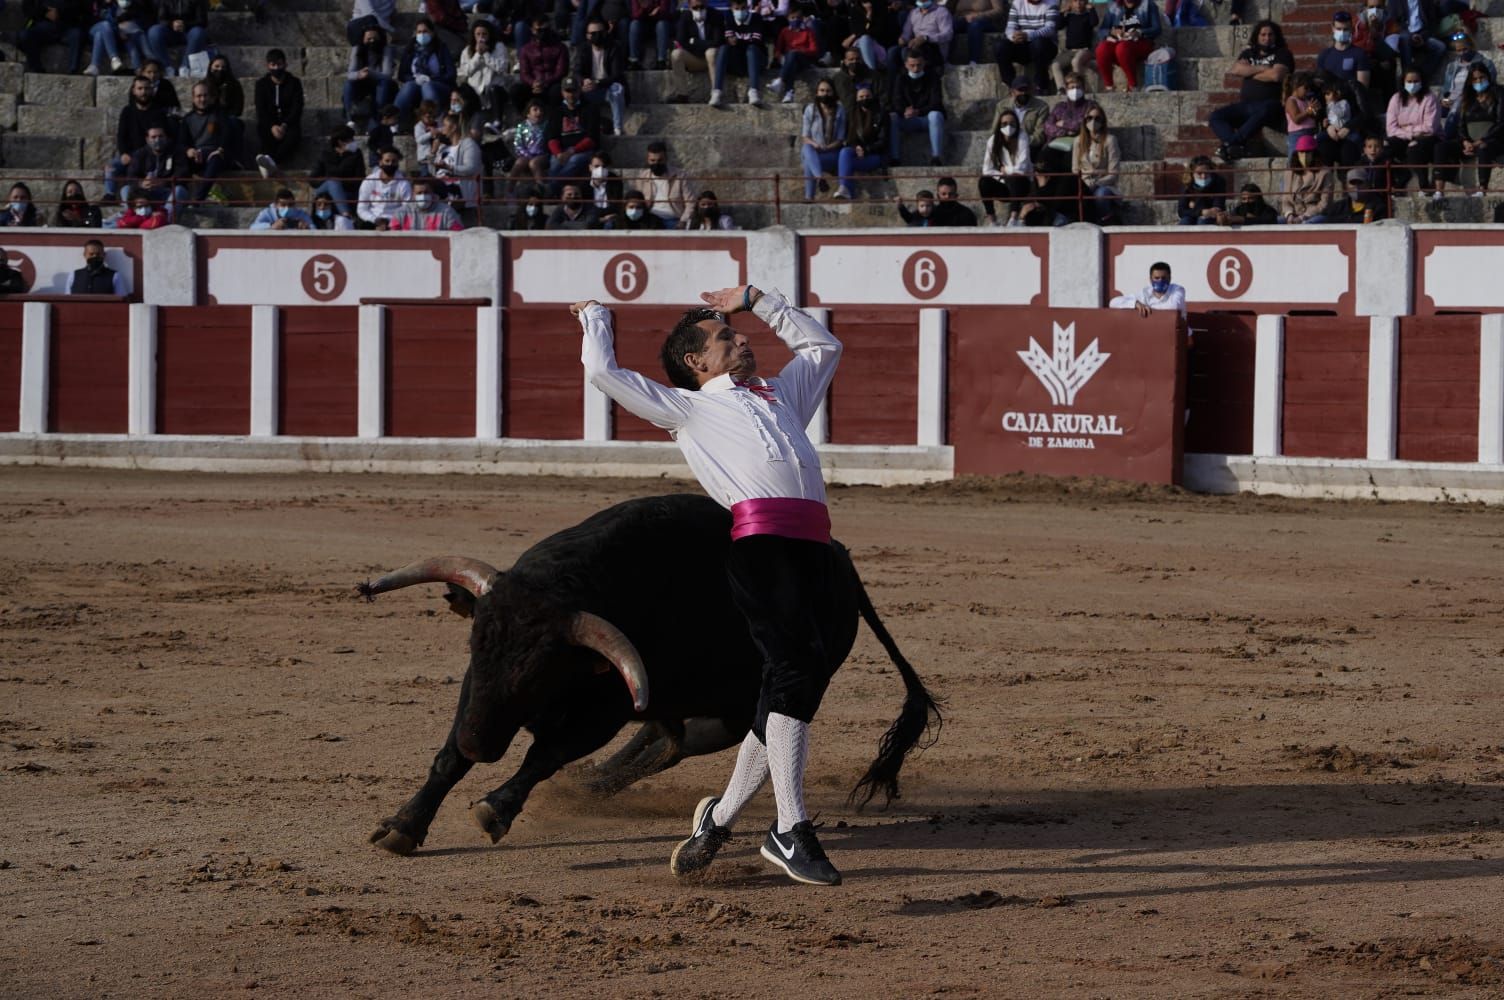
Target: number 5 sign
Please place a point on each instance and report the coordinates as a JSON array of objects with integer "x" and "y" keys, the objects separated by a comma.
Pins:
[
  {"x": 294, "y": 270},
  {"x": 1260, "y": 270}
]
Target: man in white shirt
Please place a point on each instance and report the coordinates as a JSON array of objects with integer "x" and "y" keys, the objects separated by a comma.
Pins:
[
  {"x": 744, "y": 438},
  {"x": 384, "y": 192},
  {"x": 1160, "y": 294}
]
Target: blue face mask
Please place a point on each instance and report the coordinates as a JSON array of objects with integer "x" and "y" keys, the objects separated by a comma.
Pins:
[
  {"x": 423, "y": 38},
  {"x": 19, "y": 207},
  {"x": 1479, "y": 86},
  {"x": 1201, "y": 182},
  {"x": 324, "y": 213},
  {"x": 1160, "y": 285},
  {"x": 282, "y": 211}
]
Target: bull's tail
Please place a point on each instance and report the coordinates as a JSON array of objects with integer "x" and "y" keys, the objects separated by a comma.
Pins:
[{"x": 919, "y": 717}]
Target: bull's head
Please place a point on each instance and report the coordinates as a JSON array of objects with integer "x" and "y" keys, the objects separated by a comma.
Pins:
[{"x": 515, "y": 649}]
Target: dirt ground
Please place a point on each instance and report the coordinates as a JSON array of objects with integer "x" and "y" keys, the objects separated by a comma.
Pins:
[{"x": 1193, "y": 746}]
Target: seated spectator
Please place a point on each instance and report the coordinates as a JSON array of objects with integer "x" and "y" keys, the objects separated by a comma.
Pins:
[
  {"x": 1344, "y": 61},
  {"x": 927, "y": 30},
  {"x": 457, "y": 165},
  {"x": 12, "y": 282},
  {"x": 1413, "y": 39},
  {"x": 1029, "y": 39},
  {"x": 709, "y": 216},
  {"x": 542, "y": 65},
  {"x": 202, "y": 134},
  {"x": 74, "y": 210},
  {"x": 1377, "y": 34},
  {"x": 425, "y": 71},
  {"x": 634, "y": 215},
  {"x": 948, "y": 208},
  {"x": 743, "y": 53},
  {"x": 138, "y": 115},
  {"x": 657, "y": 17},
  {"x": 873, "y": 32},
  {"x": 1031, "y": 110},
  {"x": 1361, "y": 203},
  {"x": 1474, "y": 132},
  {"x": 1066, "y": 120},
  {"x": 601, "y": 67},
  {"x": 339, "y": 171},
  {"x": 370, "y": 14},
  {"x": 425, "y": 127},
  {"x": 821, "y": 138},
  {"x": 384, "y": 191},
  {"x": 1376, "y": 162},
  {"x": 142, "y": 213},
  {"x": 922, "y": 213},
  {"x": 1007, "y": 169},
  {"x": 53, "y": 22},
  {"x": 853, "y": 72},
  {"x": 324, "y": 215},
  {"x": 279, "y": 113},
  {"x": 798, "y": 46},
  {"x": 121, "y": 23},
  {"x": 282, "y": 214},
  {"x": 157, "y": 172},
  {"x": 531, "y": 213},
  {"x": 1161, "y": 294},
  {"x": 1204, "y": 194},
  {"x": 1128, "y": 34},
  {"x": 1094, "y": 162},
  {"x": 1307, "y": 185},
  {"x": 665, "y": 189},
  {"x": 916, "y": 104},
  {"x": 425, "y": 213},
  {"x": 483, "y": 68},
  {"x": 228, "y": 98},
  {"x": 866, "y": 138},
  {"x": 1456, "y": 73},
  {"x": 1303, "y": 110},
  {"x": 978, "y": 17},
  {"x": 95, "y": 277},
  {"x": 698, "y": 37},
  {"x": 1250, "y": 209},
  {"x": 163, "y": 94},
  {"x": 530, "y": 146},
  {"x": 1262, "y": 68},
  {"x": 574, "y": 210},
  {"x": 180, "y": 23},
  {"x": 19, "y": 211},
  {"x": 605, "y": 186},
  {"x": 1079, "y": 19},
  {"x": 1338, "y": 138},
  {"x": 370, "y": 76},
  {"x": 1412, "y": 124},
  {"x": 574, "y": 132},
  {"x": 384, "y": 134}
]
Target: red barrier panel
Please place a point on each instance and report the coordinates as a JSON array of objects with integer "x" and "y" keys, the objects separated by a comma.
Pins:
[
  {"x": 1438, "y": 392},
  {"x": 1325, "y": 411},
  {"x": 204, "y": 370},
  {"x": 87, "y": 384},
  {"x": 875, "y": 396},
  {"x": 1067, "y": 392},
  {"x": 430, "y": 371},
  {"x": 318, "y": 393},
  {"x": 1219, "y": 388},
  {"x": 543, "y": 385},
  {"x": 10, "y": 367}
]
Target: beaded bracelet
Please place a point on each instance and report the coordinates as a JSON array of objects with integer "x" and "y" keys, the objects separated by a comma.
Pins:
[{"x": 747, "y": 299}]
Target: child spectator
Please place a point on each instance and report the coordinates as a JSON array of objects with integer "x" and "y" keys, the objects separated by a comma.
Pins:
[
  {"x": 1204, "y": 195},
  {"x": 325, "y": 216},
  {"x": 529, "y": 145},
  {"x": 1338, "y": 139},
  {"x": 1308, "y": 184},
  {"x": 424, "y": 128},
  {"x": 1079, "y": 19},
  {"x": 141, "y": 214},
  {"x": 799, "y": 47},
  {"x": 1303, "y": 112}
]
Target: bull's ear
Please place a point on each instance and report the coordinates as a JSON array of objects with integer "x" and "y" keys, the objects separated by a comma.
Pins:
[{"x": 461, "y": 601}]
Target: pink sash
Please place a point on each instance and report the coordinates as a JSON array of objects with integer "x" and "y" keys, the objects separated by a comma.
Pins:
[{"x": 803, "y": 519}]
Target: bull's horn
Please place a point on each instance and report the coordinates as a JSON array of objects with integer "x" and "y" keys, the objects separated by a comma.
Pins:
[
  {"x": 594, "y": 632},
  {"x": 472, "y": 574}
]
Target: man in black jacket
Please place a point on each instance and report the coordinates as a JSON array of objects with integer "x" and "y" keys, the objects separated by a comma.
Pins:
[
  {"x": 53, "y": 22},
  {"x": 136, "y": 117},
  {"x": 94, "y": 278},
  {"x": 601, "y": 66},
  {"x": 700, "y": 34},
  {"x": 12, "y": 282},
  {"x": 573, "y": 133},
  {"x": 916, "y": 105},
  {"x": 279, "y": 113},
  {"x": 158, "y": 171}
]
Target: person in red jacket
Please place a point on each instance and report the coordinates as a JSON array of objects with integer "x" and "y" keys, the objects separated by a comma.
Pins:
[
  {"x": 799, "y": 46},
  {"x": 142, "y": 215},
  {"x": 541, "y": 64}
]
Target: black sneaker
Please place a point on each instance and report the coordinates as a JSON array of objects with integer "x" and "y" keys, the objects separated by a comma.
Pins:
[
  {"x": 800, "y": 855},
  {"x": 694, "y": 855}
]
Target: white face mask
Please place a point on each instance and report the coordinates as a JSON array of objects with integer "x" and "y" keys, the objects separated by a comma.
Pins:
[
  {"x": 1009, "y": 131},
  {"x": 598, "y": 173},
  {"x": 1073, "y": 94},
  {"x": 634, "y": 214},
  {"x": 697, "y": 13}
]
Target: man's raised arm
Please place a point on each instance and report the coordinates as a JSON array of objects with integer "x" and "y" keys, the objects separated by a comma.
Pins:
[
  {"x": 816, "y": 351},
  {"x": 641, "y": 396}
]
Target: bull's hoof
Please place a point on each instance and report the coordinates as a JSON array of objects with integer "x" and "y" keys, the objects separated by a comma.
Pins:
[
  {"x": 489, "y": 821},
  {"x": 389, "y": 836}
]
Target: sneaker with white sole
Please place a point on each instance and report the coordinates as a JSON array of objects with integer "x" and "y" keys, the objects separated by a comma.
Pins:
[
  {"x": 116, "y": 64},
  {"x": 266, "y": 165},
  {"x": 788, "y": 96},
  {"x": 800, "y": 855},
  {"x": 694, "y": 855},
  {"x": 91, "y": 70},
  {"x": 776, "y": 86},
  {"x": 715, "y": 98},
  {"x": 753, "y": 97}
]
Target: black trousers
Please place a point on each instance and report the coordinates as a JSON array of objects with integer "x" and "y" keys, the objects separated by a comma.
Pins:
[{"x": 783, "y": 586}]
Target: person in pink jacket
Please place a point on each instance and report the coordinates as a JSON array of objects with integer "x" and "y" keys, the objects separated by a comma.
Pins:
[{"x": 1412, "y": 127}]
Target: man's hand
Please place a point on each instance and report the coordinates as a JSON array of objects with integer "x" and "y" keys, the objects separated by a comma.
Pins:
[
  {"x": 579, "y": 307},
  {"x": 587, "y": 85},
  {"x": 729, "y": 300},
  {"x": 280, "y": 224},
  {"x": 179, "y": 26},
  {"x": 1142, "y": 309}
]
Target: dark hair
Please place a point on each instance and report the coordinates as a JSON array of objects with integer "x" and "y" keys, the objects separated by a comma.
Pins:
[
  {"x": 658, "y": 146},
  {"x": 93, "y": 243},
  {"x": 634, "y": 193},
  {"x": 63, "y": 194},
  {"x": 422, "y": 21},
  {"x": 1279, "y": 35},
  {"x": 925, "y": 194},
  {"x": 276, "y": 55},
  {"x": 151, "y": 62},
  {"x": 1251, "y": 188},
  {"x": 707, "y": 193},
  {"x": 341, "y": 133},
  {"x": 389, "y": 149},
  {"x": 1159, "y": 265},
  {"x": 23, "y": 187},
  {"x": 947, "y": 182},
  {"x": 685, "y": 338},
  {"x": 390, "y": 111},
  {"x": 284, "y": 193}
]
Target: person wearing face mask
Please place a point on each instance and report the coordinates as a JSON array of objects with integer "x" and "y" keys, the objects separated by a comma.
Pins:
[
  {"x": 483, "y": 68},
  {"x": 74, "y": 210},
  {"x": 282, "y": 214},
  {"x": 798, "y": 46},
  {"x": 95, "y": 277},
  {"x": 709, "y": 216},
  {"x": 634, "y": 215},
  {"x": 601, "y": 67},
  {"x": 141, "y": 213},
  {"x": 158, "y": 171},
  {"x": 1474, "y": 132},
  {"x": 458, "y": 164},
  {"x": 384, "y": 191},
  {"x": 743, "y": 53},
  {"x": 873, "y": 32},
  {"x": 574, "y": 211},
  {"x": 426, "y": 213},
  {"x": 1342, "y": 60},
  {"x": 163, "y": 94},
  {"x": 1307, "y": 186},
  {"x": 605, "y": 191},
  {"x": 339, "y": 171},
  {"x": 1204, "y": 193},
  {"x": 853, "y": 74},
  {"x": 542, "y": 64},
  {"x": 1079, "y": 19},
  {"x": 821, "y": 138},
  {"x": 1129, "y": 32},
  {"x": 182, "y": 23},
  {"x": 370, "y": 76},
  {"x": 530, "y": 213},
  {"x": 574, "y": 133},
  {"x": 698, "y": 38},
  {"x": 866, "y": 138},
  {"x": 1261, "y": 68},
  {"x": 121, "y": 23},
  {"x": 19, "y": 210},
  {"x": 1095, "y": 161},
  {"x": 1007, "y": 170},
  {"x": 1413, "y": 127},
  {"x": 323, "y": 215},
  {"x": 1251, "y": 209},
  {"x": 279, "y": 113},
  {"x": 1362, "y": 203},
  {"x": 1454, "y": 76},
  {"x": 916, "y": 104},
  {"x": 1066, "y": 120},
  {"x": 1377, "y": 35},
  {"x": 426, "y": 70},
  {"x": 1161, "y": 294},
  {"x": 666, "y": 189},
  {"x": 927, "y": 31},
  {"x": 1031, "y": 109},
  {"x": 1029, "y": 39},
  {"x": 136, "y": 119}
]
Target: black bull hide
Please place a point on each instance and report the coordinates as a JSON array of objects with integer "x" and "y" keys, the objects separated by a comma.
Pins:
[{"x": 655, "y": 569}]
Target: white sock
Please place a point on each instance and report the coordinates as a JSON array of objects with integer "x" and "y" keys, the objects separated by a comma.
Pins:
[
  {"x": 751, "y": 771},
  {"x": 788, "y": 749}
]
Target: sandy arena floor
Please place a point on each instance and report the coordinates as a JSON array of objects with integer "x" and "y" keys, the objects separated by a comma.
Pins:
[{"x": 1194, "y": 747}]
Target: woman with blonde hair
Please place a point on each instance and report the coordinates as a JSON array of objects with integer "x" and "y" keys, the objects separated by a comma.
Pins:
[{"x": 1094, "y": 161}]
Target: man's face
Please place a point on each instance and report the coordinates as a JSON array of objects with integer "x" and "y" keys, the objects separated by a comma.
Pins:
[
  {"x": 539, "y": 27},
  {"x": 1460, "y": 42},
  {"x": 656, "y": 158},
  {"x": 851, "y": 62},
  {"x": 1021, "y": 96},
  {"x": 389, "y": 162},
  {"x": 200, "y": 98},
  {"x": 156, "y": 138},
  {"x": 914, "y": 65},
  {"x": 275, "y": 67},
  {"x": 571, "y": 195},
  {"x": 1159, "y": 275},
  {"x": 595, "y": 32},
  {"x": 945, "y": 193},
  {"x": 726, "y": 352},
  {"x": 1246, "y": 200},
  {"x": 140, "y": 91},
  {"x": 93, "y": 256}
]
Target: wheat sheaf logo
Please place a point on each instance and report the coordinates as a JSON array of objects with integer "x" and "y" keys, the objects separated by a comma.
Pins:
[{"x": 1064, "y": 373}]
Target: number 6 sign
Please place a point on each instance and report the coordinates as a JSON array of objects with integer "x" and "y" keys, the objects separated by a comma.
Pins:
[
  {"x": 925, "y": 274},
  {"x": 1229, "y": 273},
  {"x": 626, "y": 277}
]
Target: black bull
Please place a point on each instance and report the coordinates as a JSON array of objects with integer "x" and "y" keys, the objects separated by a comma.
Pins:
[{"x": 640, "y": 587}]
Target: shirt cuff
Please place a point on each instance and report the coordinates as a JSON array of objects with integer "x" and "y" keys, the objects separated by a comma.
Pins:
[{"x": 769, "y": 305}]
